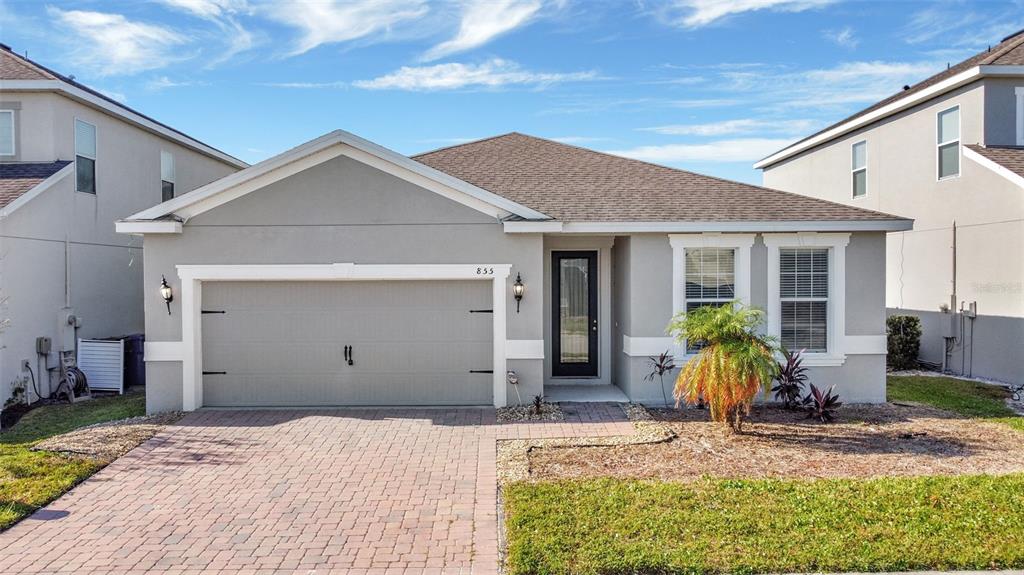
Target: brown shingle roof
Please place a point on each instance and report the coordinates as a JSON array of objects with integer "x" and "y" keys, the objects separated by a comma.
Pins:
[
  {"x": 18, "y": 178},
  {"x": 1009, "y": 52},
  {"x": 570, "y": 183},
  {"x": 14, "y": 67},
  {"x": 1009, "y": 157}
]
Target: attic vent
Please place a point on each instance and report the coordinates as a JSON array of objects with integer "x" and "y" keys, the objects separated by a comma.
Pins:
[{"x": 102, "y": 361}]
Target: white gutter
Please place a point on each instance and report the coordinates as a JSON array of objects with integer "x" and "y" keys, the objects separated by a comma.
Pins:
[
  {"x": 893, "y": 225},
  {"x": 85, "y": 97},
  {"x": 995, "y": 167},
  {"x": 951, "y": 83}
]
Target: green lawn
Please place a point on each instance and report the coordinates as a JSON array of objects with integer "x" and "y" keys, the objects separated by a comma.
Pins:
[
  {"x": 29, "y": 479},
  {"x": 607, "y": 526},
  {"x": 967, "y": 398}
]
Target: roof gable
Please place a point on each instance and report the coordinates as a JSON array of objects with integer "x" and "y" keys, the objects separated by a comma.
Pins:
[
  {"x": 21, "y": 181},
  {"x": 303, "y": 157},
  {"x": 574, "y": 184}
]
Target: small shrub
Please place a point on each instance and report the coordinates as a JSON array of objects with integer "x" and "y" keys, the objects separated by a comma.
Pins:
[
  {"x": 538, "y": 404},
  {"x": 903, "y": 341},
  {"x": 821, "y": 406},
  {"x": 790, "y": 379},
  {"x": 661, "y": 365}
]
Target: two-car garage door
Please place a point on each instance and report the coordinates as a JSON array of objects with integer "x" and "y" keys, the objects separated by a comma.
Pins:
[{"x": 288, "y": 343}]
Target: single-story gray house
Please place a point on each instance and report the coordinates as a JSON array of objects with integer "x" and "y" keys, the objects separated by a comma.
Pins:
[{"x": 343, "y": 273}]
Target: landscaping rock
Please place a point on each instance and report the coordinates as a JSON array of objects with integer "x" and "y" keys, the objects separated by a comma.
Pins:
[{"x": 109, "y": 440}]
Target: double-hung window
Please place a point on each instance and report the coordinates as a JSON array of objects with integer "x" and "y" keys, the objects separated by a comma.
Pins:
[
  {"x": 949, "y": 142},
  {"x": 6, "y": 132},
  {"x": 860, "y": 169},
  {"x": 166, "y": 176},
  {"x": 710, "y": 281},
  {"x": 85, "y": 157},
  {"x": 804, "y": 295}
]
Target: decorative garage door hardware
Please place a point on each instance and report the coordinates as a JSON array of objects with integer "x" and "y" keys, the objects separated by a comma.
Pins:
[
  {"x": 481, "y": 311},
  {"x": 213, "y": 311},
  {"x": 348, "y": 354},
  {"x": 481, "y": 371},
  {"x": 215, "y": 373}
]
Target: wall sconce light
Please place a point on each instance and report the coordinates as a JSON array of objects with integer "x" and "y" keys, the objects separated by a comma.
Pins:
[
  {"x": 518, "y": 289},
  {"x": 166, "y": 293}
]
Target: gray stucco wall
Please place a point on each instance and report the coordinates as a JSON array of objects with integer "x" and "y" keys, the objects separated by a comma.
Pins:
[
  {"x": 649, "y": 260},
  {"x": 342, "y": 211},
  {"x": 1001, "y": 111},
  {"x": 105, "y": 281}
]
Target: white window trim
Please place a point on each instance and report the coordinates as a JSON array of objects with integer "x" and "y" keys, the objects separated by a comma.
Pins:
[
  {"x": 854, "y": 170},
  {"x": 1019, "y": 91},
  {"x": 939, "y": 145},
  {"x": 14, "y": 133},
  {"x": 680, "y": 242},
  {"x": 96, "y": 143},
  {"x": 836, "y": 354},
  {"x": 190, "y": 348}
]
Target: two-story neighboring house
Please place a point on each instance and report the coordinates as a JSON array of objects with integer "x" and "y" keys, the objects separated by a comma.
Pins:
[
  {"x": 72, "y": 162},
  {"x": 949, "y": 153}
]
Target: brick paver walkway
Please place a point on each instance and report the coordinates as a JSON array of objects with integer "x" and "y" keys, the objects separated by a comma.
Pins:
[{"x": 283, "y": 491}]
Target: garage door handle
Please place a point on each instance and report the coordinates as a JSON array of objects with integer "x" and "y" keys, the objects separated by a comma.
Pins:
[{"x": 348, "y": 354}]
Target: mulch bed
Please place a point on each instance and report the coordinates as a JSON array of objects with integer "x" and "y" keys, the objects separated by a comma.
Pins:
[
  {"x": 866, "y": 441},
  {"x": 109, "y": 440},
  {"x": 514, "y": 413}
]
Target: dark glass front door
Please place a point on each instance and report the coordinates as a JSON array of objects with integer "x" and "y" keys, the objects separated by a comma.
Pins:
[{"x": 574, "y": 313}]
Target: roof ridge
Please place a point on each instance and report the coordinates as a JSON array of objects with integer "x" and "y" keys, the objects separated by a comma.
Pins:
[
  {"x": 1012, "y": 43},
  {"x": 27, "y": 63},
  {"x": 459, "y": 145}
]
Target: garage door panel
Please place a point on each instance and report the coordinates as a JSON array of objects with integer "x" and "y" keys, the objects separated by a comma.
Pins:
[{"x": 282, "y": 343}]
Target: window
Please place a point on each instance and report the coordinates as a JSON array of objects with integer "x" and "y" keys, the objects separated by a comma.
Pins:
[
  {"x": 949, "y": 143},
  {"x": 166, "y": 176},
  {"x": 860, "y": 169},
  {"x": 803, "y": 290},
  {"x": 6, "y": 132},
  {"x": 85, "y": 157},
  {"x": 708, "y": 269},
  {"x": 710, "y": 281}
]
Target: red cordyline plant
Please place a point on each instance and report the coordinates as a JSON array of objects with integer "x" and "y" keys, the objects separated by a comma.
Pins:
[
  {"x": 661, "y": 365},
  {"x": 734, "y": 363},
  {"x": 789, "y": 382}
]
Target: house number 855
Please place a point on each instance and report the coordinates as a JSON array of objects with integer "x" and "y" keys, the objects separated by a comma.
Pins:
[{"x": 485, "y": 271}]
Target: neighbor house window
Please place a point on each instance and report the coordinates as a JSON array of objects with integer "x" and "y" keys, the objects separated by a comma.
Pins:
[
  {"x": 6, "y": 132},
  {"x": 709, "y": 270},
  {"x": 949, "y": 142},
  {"x": 804, "y": 293},
  {"x": 166, "y": 175},
  {"x": 85, "y": 157},
  {"x": 710, "y": 281},
  {"x": 860, "y": 169}
]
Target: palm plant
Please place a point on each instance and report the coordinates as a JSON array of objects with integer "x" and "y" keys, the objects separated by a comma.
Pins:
[
  {"x": 789, "y": 381},
  {"x": 661, "y": 365},
  {"x": 734, "y": 363}
]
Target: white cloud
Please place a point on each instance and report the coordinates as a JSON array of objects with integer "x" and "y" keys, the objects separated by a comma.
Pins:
[
  {"x": 118, "y": 96},
  {"x": 223, "y": 14},
  {"x": 482, "y": 21},
  {"x": 844, "y": 37},
  {"x": 704, "y": 103},
  {"x": 698, "y": 13},
  {"x": 163, "y": 82},
  {"x": 493, "y": 73},
  {"x": 738, "y": 150},
  {"x": 305, "y": 85},
  {"x": 331, "y": 21},
  {"x": 957, "y": 25},
  {"x": 110, "y": 44},
  {"x": 863, "y": 82},
  {"x": 739, "y": 126}
]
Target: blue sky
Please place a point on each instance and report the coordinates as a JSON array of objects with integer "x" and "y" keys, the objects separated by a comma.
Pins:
[{"x": 705, "y": 85}]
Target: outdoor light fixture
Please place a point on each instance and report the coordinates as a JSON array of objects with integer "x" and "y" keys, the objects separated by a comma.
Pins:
[
  {"x": 518, "y": 289},
  {"x": 166, "y": 293}
]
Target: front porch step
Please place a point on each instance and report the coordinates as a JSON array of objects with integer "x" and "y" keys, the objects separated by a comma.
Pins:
[{"x": 585, "y": 393}]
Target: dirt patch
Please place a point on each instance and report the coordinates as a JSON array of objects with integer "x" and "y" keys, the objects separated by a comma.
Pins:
[
  {"x": 109, "y": 440},
  {"x": 866, "y": 441}
]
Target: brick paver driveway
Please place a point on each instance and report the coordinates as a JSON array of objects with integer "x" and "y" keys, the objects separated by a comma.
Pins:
[{"x": 322, "y": 491}]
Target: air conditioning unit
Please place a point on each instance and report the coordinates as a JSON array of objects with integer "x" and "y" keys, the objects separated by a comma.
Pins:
[{"x": 102, "y": 361}]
